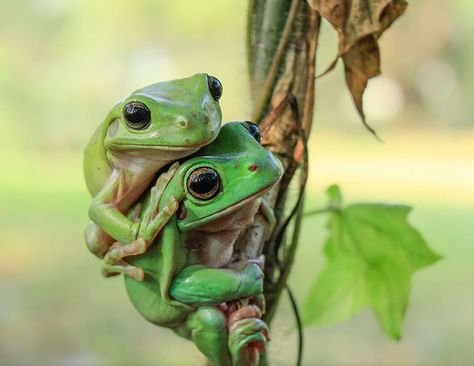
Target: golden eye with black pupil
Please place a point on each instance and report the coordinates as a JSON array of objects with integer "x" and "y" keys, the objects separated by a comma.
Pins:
[
  {"x": 204, "y": 183},
  {"x": 137, "y": 115},
  {"x": 215, "y": 87},
  {"x": 253, "y": 130}
]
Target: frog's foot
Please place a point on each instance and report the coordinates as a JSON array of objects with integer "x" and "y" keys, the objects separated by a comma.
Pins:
[
  {"x": 114, "y": 263},
  {"x": 123, "y": 268},
  {"x": 248, "y": 336}
]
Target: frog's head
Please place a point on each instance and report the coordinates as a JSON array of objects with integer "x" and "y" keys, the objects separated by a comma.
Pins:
[
  {"x": 225, "y": 175},
  {"x": 176, "y": 115}
]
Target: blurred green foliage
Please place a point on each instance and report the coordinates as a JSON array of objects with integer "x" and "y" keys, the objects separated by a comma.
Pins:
[{"x": 63, "y": 63}]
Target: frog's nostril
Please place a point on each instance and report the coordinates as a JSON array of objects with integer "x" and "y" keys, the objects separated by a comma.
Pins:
[
  {"x": 182, "y": 122},
  {"x": 253, "y": 167}
]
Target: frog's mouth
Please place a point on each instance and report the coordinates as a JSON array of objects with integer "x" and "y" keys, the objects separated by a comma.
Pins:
[
  {"x": 147, "y": 144},
  {"x": 125, "y": 146},
  {"x": 206, "y": 219}
]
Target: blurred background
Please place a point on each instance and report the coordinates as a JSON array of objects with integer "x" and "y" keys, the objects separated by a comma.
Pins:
[{"x": 64, "y": 63}]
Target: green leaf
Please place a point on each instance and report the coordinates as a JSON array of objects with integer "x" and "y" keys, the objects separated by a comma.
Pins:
[
  {"x": 372, "y": 252},
  {"x": 344, "y": 293}
]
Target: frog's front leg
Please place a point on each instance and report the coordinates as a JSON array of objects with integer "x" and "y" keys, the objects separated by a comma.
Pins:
[
  {"x": 113, "y": 260},
  {"x": 96, "y": 239},
  {"x": 200, "y": 285},
  {"x": 105, "y": 213},
  {"x": 150, "y": 225}
]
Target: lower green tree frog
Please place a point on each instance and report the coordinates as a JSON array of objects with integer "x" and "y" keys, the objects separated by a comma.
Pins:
[{"x": 190, "y": 278}]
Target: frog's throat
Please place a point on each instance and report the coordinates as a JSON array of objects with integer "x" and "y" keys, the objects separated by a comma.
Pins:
[
  {"x": 206, "y": 219},
  {"x": 148, "y": 161}
]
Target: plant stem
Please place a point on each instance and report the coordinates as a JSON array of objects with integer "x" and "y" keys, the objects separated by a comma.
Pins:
[
  {"x": 320, "y": 211},
  {"x": 267, "y": 87},
  {"x": 281, "y": 43}
]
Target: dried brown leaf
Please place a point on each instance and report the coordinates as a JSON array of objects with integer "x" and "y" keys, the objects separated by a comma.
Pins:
[
  {"x": 359, "y": 24},
  {"x": 361, "y": 63},
  {"x": 334, "y": 11}
]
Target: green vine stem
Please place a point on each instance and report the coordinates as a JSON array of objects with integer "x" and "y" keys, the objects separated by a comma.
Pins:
[
  {"x": 271, "y": 75},
  {"x": 281, "y": 41}
]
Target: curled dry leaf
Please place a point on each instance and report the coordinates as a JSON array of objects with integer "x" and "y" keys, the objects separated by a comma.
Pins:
[{"x": 359, "y": 24}]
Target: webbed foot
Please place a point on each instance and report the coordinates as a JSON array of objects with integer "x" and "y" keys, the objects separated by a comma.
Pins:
[{"x": 248, "y": 336}]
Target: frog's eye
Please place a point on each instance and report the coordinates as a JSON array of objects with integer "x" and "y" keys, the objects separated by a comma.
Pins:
[
  {"x": 253, "y": 130},
  {"x": 137, "y": 115},
  {"x": 215, "y": 87},
  {"x": 204, "y": 183}
]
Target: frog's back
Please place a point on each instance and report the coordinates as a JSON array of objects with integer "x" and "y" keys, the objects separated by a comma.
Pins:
[{"x": 96, "y": 166}]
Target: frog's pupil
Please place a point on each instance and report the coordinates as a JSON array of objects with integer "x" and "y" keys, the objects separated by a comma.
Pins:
[
  {"x": 204, "y": 183},
  {"x": 215, "y": 87},
  {"x": 137, "y": 114}
]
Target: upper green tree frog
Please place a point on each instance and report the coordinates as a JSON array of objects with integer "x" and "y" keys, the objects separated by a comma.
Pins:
[
  {"x": 188, "y": 269},
  {"x": 140, "y": 135}
]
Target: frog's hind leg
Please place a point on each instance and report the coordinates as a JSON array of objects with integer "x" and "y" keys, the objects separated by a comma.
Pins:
[{"x": 207, "y": 327}]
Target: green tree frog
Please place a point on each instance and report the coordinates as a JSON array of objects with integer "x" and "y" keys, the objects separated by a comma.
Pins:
[
  {"x": 142, "y": 133},
  {"x": 188, "y": 270}
]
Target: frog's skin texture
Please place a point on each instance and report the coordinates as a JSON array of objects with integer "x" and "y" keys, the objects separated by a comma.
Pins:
[
  {"x": 184, "y": 287},
  {"x": 144, "y": 132}
]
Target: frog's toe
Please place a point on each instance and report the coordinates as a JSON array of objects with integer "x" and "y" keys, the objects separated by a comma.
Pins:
[
  {"x": 251, "y": 343},
  {"x": 113, "y": 270},
  {"x": 119, "y": 251},
  {"x": 136, "y": 273},
  {"x": 247, "y": 338},
  {"x": 240, "y": 329},
  {"x": 246, "y": 312}
]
